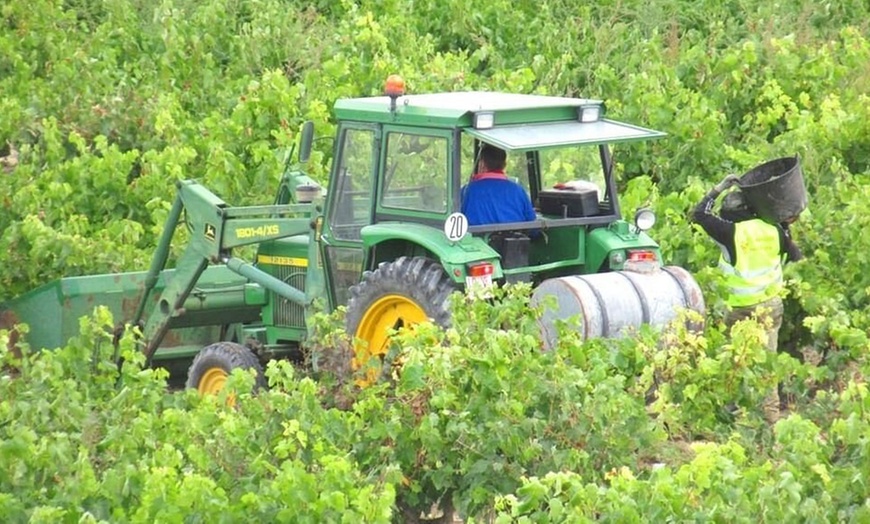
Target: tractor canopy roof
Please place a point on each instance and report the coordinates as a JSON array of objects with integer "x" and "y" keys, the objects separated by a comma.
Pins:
[{"x": 514, "y": 122}]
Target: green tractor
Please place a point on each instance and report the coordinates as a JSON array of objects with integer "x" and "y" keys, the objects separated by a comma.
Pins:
[{"x": 388, "y": 240}]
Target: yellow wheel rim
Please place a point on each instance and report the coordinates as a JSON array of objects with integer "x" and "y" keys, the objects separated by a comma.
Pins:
[
  {"x": 212, "y": 381},
  {"x": 372, "y": 337}
]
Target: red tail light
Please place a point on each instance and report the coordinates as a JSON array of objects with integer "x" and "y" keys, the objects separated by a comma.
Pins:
[
  {"x": 480, "y": 270},
  {"x": 642, "y": 256}
]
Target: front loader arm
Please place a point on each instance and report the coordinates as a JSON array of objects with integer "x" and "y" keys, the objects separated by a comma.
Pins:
[{"x": 215, "y": 229}]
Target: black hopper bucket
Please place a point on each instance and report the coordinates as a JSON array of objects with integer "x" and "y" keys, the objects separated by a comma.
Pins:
[{"x": 775, "y": 190}]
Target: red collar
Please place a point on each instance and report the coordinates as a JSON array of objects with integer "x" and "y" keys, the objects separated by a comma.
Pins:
[{"x": 489, "y": 175}]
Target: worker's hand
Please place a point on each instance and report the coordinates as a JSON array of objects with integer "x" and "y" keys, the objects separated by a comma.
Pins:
[{"x": 727, "y": 182}]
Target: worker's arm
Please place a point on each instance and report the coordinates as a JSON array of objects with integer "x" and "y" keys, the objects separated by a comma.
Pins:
[
  {"x": 719, "y": 229},
  {"x": 787, "y": 246}
]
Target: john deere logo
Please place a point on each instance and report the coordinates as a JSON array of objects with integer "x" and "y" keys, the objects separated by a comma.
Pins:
[{"x": 209, "y": 232}]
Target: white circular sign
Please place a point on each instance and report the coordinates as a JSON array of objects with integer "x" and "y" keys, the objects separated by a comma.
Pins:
[{"x": 456, "y": 226}]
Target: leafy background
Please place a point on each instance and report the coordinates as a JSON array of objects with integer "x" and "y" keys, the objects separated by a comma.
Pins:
[{"x": 106, "y": 104}]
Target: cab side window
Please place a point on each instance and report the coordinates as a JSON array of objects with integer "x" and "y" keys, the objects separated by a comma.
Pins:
[
  {"x": 416, "y": 172},
  {"x": 353, "y": 206}
]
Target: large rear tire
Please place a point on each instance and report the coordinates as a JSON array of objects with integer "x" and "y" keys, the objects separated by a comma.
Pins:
[
  {"x": 396, "y": 295},
  {"x": 213, "y": 365}
]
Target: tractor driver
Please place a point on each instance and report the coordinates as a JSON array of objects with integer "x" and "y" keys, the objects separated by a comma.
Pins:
[{"x": 491, "y": 197}]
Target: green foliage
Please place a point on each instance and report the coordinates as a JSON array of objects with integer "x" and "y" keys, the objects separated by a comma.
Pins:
[
  {"x": 481, "y": 405},
  {"x": 85, "y": 441},
  {"x": 107, "y": 104},
  {"x": 803, "y": 481}
]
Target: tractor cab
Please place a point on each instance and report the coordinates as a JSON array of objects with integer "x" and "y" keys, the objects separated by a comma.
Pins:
[{"x": 401, "y": 162}]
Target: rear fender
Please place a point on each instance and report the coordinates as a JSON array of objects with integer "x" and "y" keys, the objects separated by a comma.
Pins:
[
  {"x": 617, "y": 237},
  {"x": 386, "y": 241}
]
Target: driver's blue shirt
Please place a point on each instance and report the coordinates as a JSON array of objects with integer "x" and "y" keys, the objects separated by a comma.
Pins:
[{"x": 493, "y": 199}]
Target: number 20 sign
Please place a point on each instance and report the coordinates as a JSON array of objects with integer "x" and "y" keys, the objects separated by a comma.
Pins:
[{"x": 455, "y": 227}]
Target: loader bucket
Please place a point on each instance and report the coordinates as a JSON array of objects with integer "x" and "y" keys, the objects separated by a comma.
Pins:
[{"x": 53, "y": 310}]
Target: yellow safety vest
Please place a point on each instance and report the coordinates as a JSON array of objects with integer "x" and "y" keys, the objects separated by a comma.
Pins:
[{"x": 758, "y": 274}]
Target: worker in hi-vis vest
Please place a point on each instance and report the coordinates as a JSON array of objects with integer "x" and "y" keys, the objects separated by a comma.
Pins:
[{"x": 753, "y": 253}]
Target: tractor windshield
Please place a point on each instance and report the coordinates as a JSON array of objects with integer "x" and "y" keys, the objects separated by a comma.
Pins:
[
  {"x": 578, "y": 169},
  {"x": 557, "y": 167}
]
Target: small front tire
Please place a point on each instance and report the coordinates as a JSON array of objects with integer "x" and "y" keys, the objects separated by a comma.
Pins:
[{"x": 213, "y": 365}]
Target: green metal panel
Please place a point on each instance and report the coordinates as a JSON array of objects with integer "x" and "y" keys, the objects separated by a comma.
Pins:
[
  {"x": 286, "y": 259},
  {"x": 559, "y": 244},
  {"x": 454, "y": 256},
  {"x": 295, "y": 247},
  {"x": 619, "y": 235},
  {"x": 254, "y": 294}
]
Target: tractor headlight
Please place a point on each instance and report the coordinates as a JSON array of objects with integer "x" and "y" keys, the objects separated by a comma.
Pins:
[
  {"x": 590, "y": 112},
  {"x": 644, "y": 219},
  {"x": 484, "y": 120}
]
